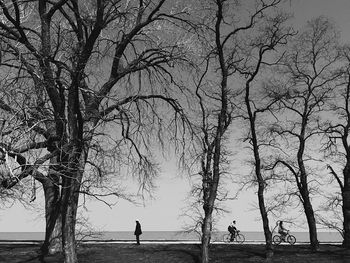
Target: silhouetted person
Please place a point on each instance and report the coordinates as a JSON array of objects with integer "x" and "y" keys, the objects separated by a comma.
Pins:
[
  {"x": 282, "y": 230},
  {"x": 233, "y": 230},
  {"x": 138, "y": 232}
]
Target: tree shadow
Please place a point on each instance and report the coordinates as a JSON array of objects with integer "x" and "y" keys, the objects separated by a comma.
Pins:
[
  {"x": 193, "y": 255},
  {"x": 183, "y": 253}
]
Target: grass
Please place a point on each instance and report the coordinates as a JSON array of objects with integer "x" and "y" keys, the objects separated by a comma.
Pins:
[{"x": 178, "y": 253}]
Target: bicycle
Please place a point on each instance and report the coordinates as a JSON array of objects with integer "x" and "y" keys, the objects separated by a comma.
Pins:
[
  {"x": 238, "y": 237},
  {"x": 277, "y": 239}
]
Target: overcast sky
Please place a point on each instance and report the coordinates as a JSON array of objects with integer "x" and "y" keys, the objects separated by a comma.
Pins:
[{"x": 162, "y": 213}]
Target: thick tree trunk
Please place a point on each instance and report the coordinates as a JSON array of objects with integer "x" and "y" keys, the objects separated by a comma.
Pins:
[
  {"x": 310, "y": 217},
  {"x": 210, "y": 187},
  {"x": 56, "y": 237},
  {"x": 52, "y": 243},
  {"x": 206, "y": 236},
  {"x": 346, "y": 215},
  {"x": 345, "y": 188},
  {"x": 69, "y": 212},
  {"x": 68, "y": 234},
  {"x": 71, "y": 183}
]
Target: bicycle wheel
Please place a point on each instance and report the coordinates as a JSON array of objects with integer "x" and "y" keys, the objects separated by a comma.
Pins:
[
  {"x": 291, "y": 239},
  {"x": 277, "y": 239},
  {"x": 240, "y": 238},
  {"x": 226, "y": 238}
]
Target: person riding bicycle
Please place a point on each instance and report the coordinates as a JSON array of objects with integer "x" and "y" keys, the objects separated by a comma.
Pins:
[
  {"x": 282, "y": 230},
  {"x": 233, "y": 230}
]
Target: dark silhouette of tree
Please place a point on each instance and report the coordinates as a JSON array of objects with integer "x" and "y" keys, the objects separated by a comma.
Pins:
[
  {"x": 337, "y": 147},
  {"x": 78, "y": 72},
  {"x": 273, "y": 35},
  {"x": 309, "y": 72},
  {"x": 235, "y": 44}
]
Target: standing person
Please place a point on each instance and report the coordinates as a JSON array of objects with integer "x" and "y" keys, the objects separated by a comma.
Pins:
[{"x": 138, "y": 232}]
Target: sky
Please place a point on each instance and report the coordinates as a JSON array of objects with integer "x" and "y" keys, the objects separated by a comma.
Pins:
[{"x": 163, "y": 212}]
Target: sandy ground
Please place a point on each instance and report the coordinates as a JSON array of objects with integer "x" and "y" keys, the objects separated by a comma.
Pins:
[{"x": 177, "y": 253}]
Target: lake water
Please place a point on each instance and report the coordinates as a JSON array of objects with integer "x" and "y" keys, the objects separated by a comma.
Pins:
[{"x": 325, "y": 237}]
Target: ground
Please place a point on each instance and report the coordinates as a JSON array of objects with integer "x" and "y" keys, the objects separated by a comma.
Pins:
[{"x": 178, "y": 253}]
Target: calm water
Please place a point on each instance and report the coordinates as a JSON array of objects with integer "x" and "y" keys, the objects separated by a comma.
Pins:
[{"x": 169, "y": 236}]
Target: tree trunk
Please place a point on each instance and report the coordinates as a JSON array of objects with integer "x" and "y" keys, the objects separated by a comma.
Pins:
[
  {"x": 310, "y": 216},
  {"x": 206, "y": 236},
  {"x": 210, "y": 187},
  {"x": 71, "y": 183},
  {"x": 56, "y": 237},
  {"x": 259, "y": 176},
  {"x": 52, "y": 241},
  {"x": 69, "y": 212},
  {"x": 265, "y": 219},
  {"x": 346, "y": 215},
  {"x": 304, "y": 188},
  {"x": 68, "y": 234},
  {"x": 261, "y": 199}
]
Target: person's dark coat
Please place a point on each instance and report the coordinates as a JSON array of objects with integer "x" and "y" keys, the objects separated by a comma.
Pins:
[{"x": 138, "y": 230}]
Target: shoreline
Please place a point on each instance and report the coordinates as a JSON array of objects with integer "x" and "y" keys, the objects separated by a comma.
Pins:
[
  {"x": 190, "y": 242},
  {"x": 165, "y": 236}
]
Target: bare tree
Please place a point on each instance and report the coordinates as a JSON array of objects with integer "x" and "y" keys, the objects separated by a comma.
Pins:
[
  {"x": 81, "y": 71},
  {"x": 274, "y": 34},
  {"x": 232, "y": 40},
  {"x": 310, "y": 72},
  {"x": 337, "y": 148}
]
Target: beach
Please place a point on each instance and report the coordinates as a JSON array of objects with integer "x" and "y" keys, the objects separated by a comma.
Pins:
[{"x": 160, "y": 252}]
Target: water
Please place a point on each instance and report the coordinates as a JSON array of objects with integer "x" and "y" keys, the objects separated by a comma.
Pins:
[{"x": 326, "y": 237}]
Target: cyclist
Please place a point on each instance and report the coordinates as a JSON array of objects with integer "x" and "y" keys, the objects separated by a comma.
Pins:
[
  {"x": 233, "y": 230},
  {"x": 282, "y": 230}
]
